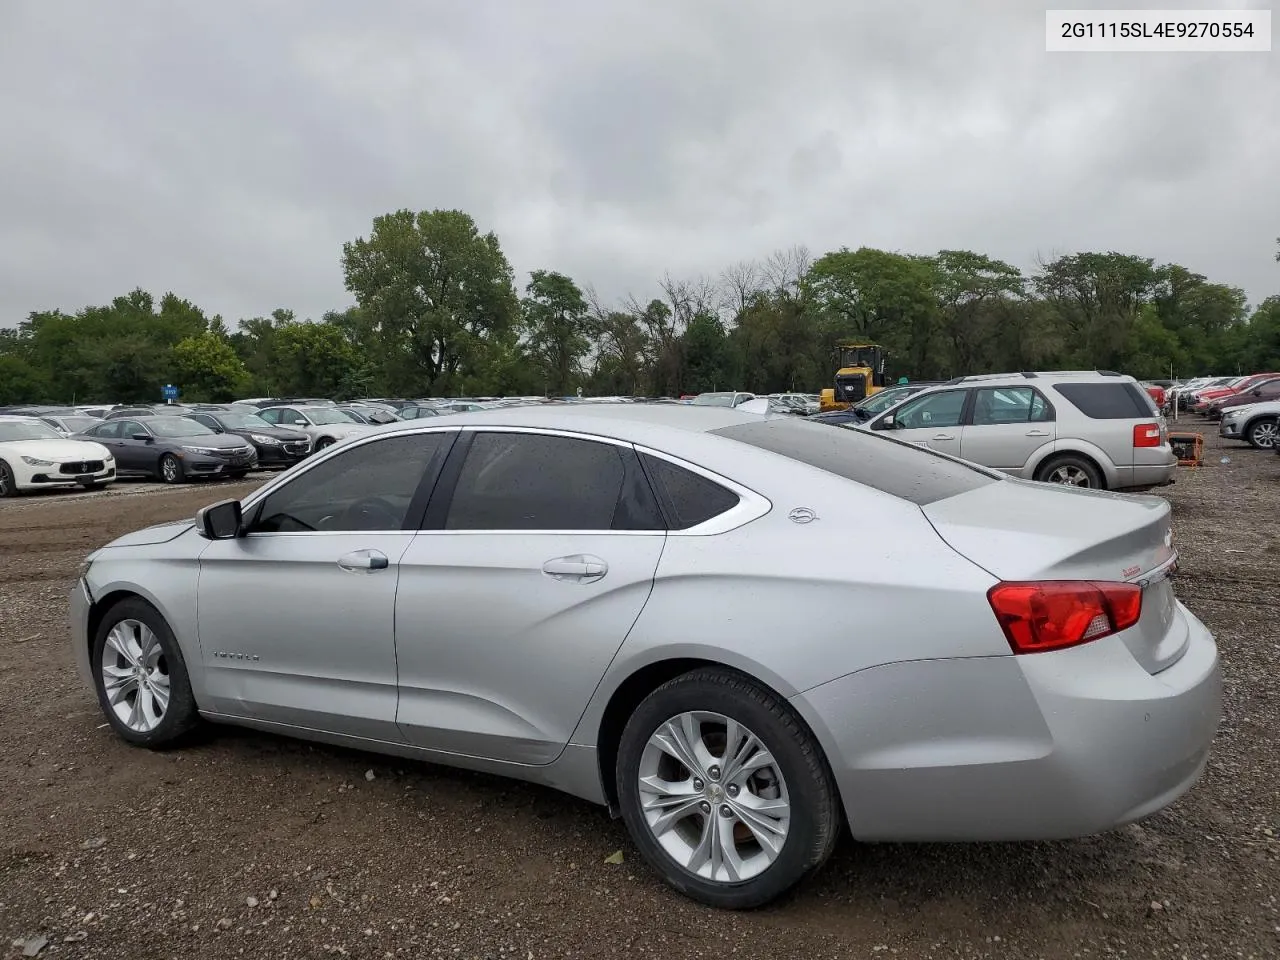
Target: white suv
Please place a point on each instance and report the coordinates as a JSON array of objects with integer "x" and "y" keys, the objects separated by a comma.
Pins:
[{"x": 1087, "y": 428}]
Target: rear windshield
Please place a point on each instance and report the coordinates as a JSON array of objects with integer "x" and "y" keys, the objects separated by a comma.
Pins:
[
  {"x": 891, "y": 466},
  {"x": 1108, "y": 401}
]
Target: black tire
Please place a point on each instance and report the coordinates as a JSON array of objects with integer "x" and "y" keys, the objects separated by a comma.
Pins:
[
  {"x": 170, "y": 469},
  {"x": 1262, "y": 433},
  {"x": 323, "y": 442},
  {"x": 815, "y": 816},
  {"x": 8, "y": 483},
  {"x": 180, "y": 716},
  {"x": 1071, "y": 463}
]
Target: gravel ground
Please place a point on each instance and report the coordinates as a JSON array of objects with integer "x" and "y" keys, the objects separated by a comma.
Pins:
[{"x": 244, "y": 844}]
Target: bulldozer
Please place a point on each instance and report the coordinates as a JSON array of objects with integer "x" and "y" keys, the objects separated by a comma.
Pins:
[{"x": 860, "y": 372}]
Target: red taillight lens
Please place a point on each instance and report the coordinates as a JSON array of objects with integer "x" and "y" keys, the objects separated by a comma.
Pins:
[
  {"x": 1056, "y": 614},
  {"x": 1146, "y": 435}
]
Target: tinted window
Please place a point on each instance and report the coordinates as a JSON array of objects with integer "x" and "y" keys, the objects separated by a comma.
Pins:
[
  {"x": 368, "y": 487},
  {"x": 271, "y": 415},
  {"x": 993, "y": 405},
  {"x": 130, "y": 427},
  {"x": 205, "y": 419},
  {"x": 1108, "y": 401},
  {"x": 941, "y": 409},
  {"x": 902, "y": 469},
  {"x": 689, "y": 499},
  {"x": 109, "y": 430},
  {"x": 526, "y": 481},
  {"x": 177, "y": 427}
]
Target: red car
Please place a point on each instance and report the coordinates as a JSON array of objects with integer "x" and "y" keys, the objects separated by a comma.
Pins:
[
  {"x": 1203, "y": 398},
  {"x": 1156, "y": 393}
]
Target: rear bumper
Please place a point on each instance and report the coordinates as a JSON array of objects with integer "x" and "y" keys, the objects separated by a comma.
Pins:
[{"x": 1039, "y": 747}]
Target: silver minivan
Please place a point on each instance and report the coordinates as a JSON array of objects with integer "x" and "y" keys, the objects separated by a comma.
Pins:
[{"x": 1085, "y": 428}]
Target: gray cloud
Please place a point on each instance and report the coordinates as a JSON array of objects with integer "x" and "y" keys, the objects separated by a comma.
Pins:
[{"x": 225, "y": 151}]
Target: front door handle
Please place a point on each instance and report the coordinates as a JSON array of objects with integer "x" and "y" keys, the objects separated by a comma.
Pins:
[
  {"x": 578, "y": 568},
  {"x": 944, "y": 436},
  {"x": 363, "y": 561},
  {"x": 1037, "y": 433}
]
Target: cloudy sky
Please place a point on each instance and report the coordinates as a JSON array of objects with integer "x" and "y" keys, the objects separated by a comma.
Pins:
[{"x": 225, "y": 150}]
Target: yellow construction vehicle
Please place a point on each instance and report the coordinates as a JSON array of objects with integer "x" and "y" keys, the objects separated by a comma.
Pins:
[{"x": 860, "y": 372}]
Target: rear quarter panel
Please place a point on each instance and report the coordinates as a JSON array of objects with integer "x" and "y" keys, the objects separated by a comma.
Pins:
[{"x": 796, "y": 605}]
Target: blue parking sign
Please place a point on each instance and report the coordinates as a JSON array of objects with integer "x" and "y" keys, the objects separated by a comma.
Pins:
[{"x": 170, "y": 391}]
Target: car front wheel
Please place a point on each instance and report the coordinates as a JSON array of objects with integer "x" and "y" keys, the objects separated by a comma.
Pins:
[
  {"x": 141, "y": 676},
  {"x": 8, "y": 484},
  {"x": 1264, "y": 432},
  {"x": 725, "y": 790}
]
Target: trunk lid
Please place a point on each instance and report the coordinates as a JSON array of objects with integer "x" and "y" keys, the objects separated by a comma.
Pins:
[{"x": 1018, "y": 530}]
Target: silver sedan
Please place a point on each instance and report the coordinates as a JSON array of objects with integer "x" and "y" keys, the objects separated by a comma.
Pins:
[{"x": 740, "y": 633}]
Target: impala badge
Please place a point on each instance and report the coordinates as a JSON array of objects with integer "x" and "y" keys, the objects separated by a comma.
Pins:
[{"x": 802, "y": 515}]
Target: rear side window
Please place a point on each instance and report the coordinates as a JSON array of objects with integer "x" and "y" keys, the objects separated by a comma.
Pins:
[
  {"x": 1108, "y": 401},
  {"x": 525, "y": 481},
  {"x": 891, "y": 466},
  {"x": 688, "y": 498}
]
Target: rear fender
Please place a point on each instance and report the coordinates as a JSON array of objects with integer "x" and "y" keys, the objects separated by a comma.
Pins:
[{"x": 1090, "y": 450}]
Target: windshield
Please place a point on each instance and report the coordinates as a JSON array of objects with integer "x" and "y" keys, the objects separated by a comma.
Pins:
[
  {"x": 243, "y": 421},
  {"x": 76, "y": 424},
  {"x": 713, "y": 400},
  {"x": 27, "y": 430},
  {"x": 177, "y": 427},
  {"x": 885, "y": 399},
  {"x": 322, "y": 415},
  {"x": 901, "y": 469}
]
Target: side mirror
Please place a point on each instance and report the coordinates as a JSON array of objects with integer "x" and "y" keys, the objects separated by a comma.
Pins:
[
  {"x": 299, "y": 423},
  {"x": 141, "y": 436},
  {"x": 220, "y": 521},
  {"x": 1256, "y": 391},
  {"x": 885, "y": 423}
]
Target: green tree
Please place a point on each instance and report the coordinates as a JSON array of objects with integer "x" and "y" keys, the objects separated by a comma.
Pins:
[
  {"x": 206, "y": 367},
  {"x": 438, "y": 296},
  {"x": 556, "y": 325}
]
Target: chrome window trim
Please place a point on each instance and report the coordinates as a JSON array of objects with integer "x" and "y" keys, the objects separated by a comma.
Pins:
[{"x": 751, "y": 505}]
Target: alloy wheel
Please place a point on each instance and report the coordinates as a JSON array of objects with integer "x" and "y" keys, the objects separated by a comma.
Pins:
[
  {"x": 1265, "y": 433},
  {"x": 1069, "y": 475},
  {"x": 714, "y": 797},
  {"x": 135, "y": 676},
  {"x": 7, "y": 485},
  {"x": 170, "y": 470}
]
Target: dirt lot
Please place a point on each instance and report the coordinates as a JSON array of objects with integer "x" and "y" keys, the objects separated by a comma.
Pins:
[{"x": 248, "y": 845}]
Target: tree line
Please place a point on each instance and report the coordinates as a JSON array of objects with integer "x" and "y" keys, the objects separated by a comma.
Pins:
[{"x": 438, "y": 312}]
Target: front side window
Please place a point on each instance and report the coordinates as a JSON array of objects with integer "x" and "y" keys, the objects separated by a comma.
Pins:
[
  {"x": 996, "y": 405},
  {"x": 941, "y": 409},
  {"x": 108, "y": 430},
  {"x": 366, "y": 488},
  {"x": 529, "y": 481}
]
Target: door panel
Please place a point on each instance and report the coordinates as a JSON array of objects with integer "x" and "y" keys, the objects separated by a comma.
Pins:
[
  {"x": 932, "y": 420},
  {"x": 1007, "y": 425},
  {"x": 288, "y": 635},
  {"x": 503, "y": 636},
  {"x": 136, "y": 456}
]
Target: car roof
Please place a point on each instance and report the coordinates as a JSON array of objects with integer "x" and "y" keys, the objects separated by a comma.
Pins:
[{"x": 634, "y": 421}]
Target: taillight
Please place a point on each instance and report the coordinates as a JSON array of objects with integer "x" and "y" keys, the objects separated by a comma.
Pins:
[
  {"x": 1146, "y": 435},
  {"x": 1056, "y": 614}
]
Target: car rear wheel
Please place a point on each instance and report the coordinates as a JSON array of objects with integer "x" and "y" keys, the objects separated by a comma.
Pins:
[
  {"x": 324, "y": 442},
  {"x": 725, "y": 791},
  {"x": 141, "y": 677},
  {"x": 8, "y": 485},
  {"x": 1263, "y": 433},
  {"x": 1070, "y": 471},
  {"x": 170, "y": 469}
]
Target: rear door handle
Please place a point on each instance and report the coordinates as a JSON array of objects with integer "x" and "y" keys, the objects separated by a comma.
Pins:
[
  {"x": 363, "y": 561},
  {"x": 577, "y": 568},
  {"x": 1037, "y": 433},
  {"x": 944, "y": 436}
]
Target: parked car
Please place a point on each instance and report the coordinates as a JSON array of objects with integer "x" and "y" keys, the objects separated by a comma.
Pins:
[
  {"x": 1256, "y": 423},
  {"x": 172, "y": 449},
  {"x": 33, "y": 455},
  {"x": 1203, "y": 398},
  {"x": 868, "y": 407},
  {"x": 324, "y": 425},
  {"x": 678, "y": 585},
  {"x": 1258, "y": 393},
  {"x": 731, "y": 398},
  {"x": 69, "y": 423},
  {"x": 416, "y": 411},
  {"x": 1091, "y": 429},
  {"x": 368, "y": 414},
  {"x": 275, "y": 446}
]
